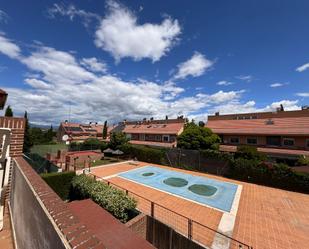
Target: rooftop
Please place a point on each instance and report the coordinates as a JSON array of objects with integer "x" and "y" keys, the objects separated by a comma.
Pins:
[
  {"x": 168, "y": 128},
  {"x": 274, "y": 126}
]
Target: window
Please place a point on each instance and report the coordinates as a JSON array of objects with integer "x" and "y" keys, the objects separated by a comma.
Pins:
[
  {"x": 158, "y": 138},
  {"x": 251, "y": 140},
  {"x": 234, "y": 140},
  {"x": 288, "y": 142},
  {"x": 166, "y": 138},
  {"x": 273, "y": 141}
]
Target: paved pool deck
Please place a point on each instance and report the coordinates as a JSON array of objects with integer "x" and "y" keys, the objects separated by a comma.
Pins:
[{"x": 265, "y": 217}]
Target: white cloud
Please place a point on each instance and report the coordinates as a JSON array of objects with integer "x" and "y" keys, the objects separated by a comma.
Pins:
[
  {"x": 224, "y": 83},
  {"x": 287, "y": 104},
  {"x": 278, "y": 84},
  {"x": 247, "y": 78},
  {"x": 38, "y": 84},
  {"x": 60, "y": 85},
  {"x": 303, "y": 67},
  {"x": 303, "y": 94},
  {"x": 121, "y": 35},
  {"x": 236, "y": 106},
  {"x": 195, "y": 66},
  {"x": 94, "y": 65},
  {"x": 8, "y": 47},
  {"x": 71, "y": 11},
  {"x": 3, "y": 17}
]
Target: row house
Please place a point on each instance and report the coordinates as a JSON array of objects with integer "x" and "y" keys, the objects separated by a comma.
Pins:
[
  {"x": 76, "y": 132},
  {"x": 161, "y": 133},
  {"x": 282, "y": 132}
]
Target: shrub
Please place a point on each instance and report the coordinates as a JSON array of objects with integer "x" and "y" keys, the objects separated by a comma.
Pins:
[
  {"x": 276, "y": 175},
  {"x": 302, "y": 161},
  {"x": 59, "y": 182},
  {"x": 249, "y": 152},
  {"x": 113, "y": 200},
  {"x": 218, "y": 155}
]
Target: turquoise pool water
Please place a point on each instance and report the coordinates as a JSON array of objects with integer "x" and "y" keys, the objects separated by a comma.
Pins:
[{"x": 211, "y": 192}]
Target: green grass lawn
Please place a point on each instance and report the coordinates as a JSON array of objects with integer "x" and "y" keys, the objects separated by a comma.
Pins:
[
  {"x": 42, "y": 149},
  {"x": 106, "y": 160}
]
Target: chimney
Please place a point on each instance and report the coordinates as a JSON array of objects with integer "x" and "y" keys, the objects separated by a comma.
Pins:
[
  {"x": 66, "y": 121},
  {"x": 217, "y": 114}
]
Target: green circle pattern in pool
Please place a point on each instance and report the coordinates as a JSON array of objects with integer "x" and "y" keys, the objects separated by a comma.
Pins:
[
  {"x": 176, "y": 182},
  {"x": 148, "y": 174},
  {"x": 201, "y": 189}
]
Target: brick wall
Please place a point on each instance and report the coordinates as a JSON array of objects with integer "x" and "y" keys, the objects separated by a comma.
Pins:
[
  {"x": 17, "y": 126},
  {"x": 40, "y": 218},
  {"x": 139, "y": 225}
]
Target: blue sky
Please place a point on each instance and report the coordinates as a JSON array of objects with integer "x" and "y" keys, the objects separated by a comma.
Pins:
[{"x": 95, "y": 60}]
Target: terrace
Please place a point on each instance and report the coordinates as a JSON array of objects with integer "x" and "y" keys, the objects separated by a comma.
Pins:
[{"x": 265, "y": 218}]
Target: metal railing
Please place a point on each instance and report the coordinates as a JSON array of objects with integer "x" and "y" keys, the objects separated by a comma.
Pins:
[{"x": 193, "y": 230}]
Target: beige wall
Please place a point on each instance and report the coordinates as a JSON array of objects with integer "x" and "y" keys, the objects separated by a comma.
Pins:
[{"x": 299, "y": 142}]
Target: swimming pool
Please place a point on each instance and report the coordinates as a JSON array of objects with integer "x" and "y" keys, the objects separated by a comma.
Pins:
[{"x": 207, "y": 191}]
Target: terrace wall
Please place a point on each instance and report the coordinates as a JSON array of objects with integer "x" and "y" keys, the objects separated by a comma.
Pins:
[{"x": 40, "y": 218}]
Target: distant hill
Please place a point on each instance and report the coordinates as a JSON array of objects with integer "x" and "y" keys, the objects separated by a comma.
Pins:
[{"x": 43, "y": 127}]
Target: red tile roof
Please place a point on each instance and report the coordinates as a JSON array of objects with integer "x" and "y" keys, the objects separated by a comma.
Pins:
[
  {"x": 85, "y": 128},
  {"x": 169, "y": 128},
  {"x": 107, "y": 228},
  {"x": 275, "y": 126}
]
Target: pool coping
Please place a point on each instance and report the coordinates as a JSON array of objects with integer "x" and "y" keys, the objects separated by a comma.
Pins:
[
  {"x": 235, "y": 203},
  {"x": 227, "y": 221}
]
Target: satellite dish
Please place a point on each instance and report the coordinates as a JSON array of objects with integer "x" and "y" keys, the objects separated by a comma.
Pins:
[{"x": 65, "y": 138}]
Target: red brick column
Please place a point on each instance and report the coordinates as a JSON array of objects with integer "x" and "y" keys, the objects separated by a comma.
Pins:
[{"x": 17, "y": 126}]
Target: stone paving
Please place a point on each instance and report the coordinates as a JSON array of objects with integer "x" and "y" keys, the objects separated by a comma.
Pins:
[
  {"x": 6, "y": 241},
  {"x": 266, "y": 217}
]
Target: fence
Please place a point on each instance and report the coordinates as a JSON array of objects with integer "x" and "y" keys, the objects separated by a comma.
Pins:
[
  {"x": 192, "y": 229},
  {"x": 40, "y": 164},
  {"x": 197, "y": 160}
]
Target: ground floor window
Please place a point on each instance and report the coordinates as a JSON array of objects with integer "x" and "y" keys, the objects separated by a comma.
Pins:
[
  {"x": 273, "y": 141},
  {"x": 251, "y": 140},
  {"x": 288, "y": 142},
  {"x": 158, "y": 138},
  {"x": 234, "y": 140}
]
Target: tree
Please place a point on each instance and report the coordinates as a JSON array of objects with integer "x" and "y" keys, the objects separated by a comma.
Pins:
[
  {"x": 27, "y": 138},
  {"x": 196, "y": 137},
  {"x": 118, "y": 139},
  {"x": 201, "y": 124},
  {"x": 8, "y": 112},
  {"x": 105, "y": 130},
  {"x": 249, "y": 152},
  {"x": 49, "y": 135}
]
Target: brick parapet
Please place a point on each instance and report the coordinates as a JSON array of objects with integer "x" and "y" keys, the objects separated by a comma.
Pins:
[
  {"x": 76, "y": 234},
  {"x": 17, "y": 126}
]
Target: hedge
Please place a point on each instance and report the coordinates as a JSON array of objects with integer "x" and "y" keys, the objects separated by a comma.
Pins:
[
  {"x": 218, "y": 155},
  {"x": 147, "y": 154},
  {"x": 113, "y": 200},
  {"x": 276, "y": 175},
  {"x": 60, "y": 183}
]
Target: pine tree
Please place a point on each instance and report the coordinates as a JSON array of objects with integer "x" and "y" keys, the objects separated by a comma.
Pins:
[
  {"x": 27, "y": 138},
  {"x": 8, "y": 112},
  {"x": 105, "y": 130}
]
